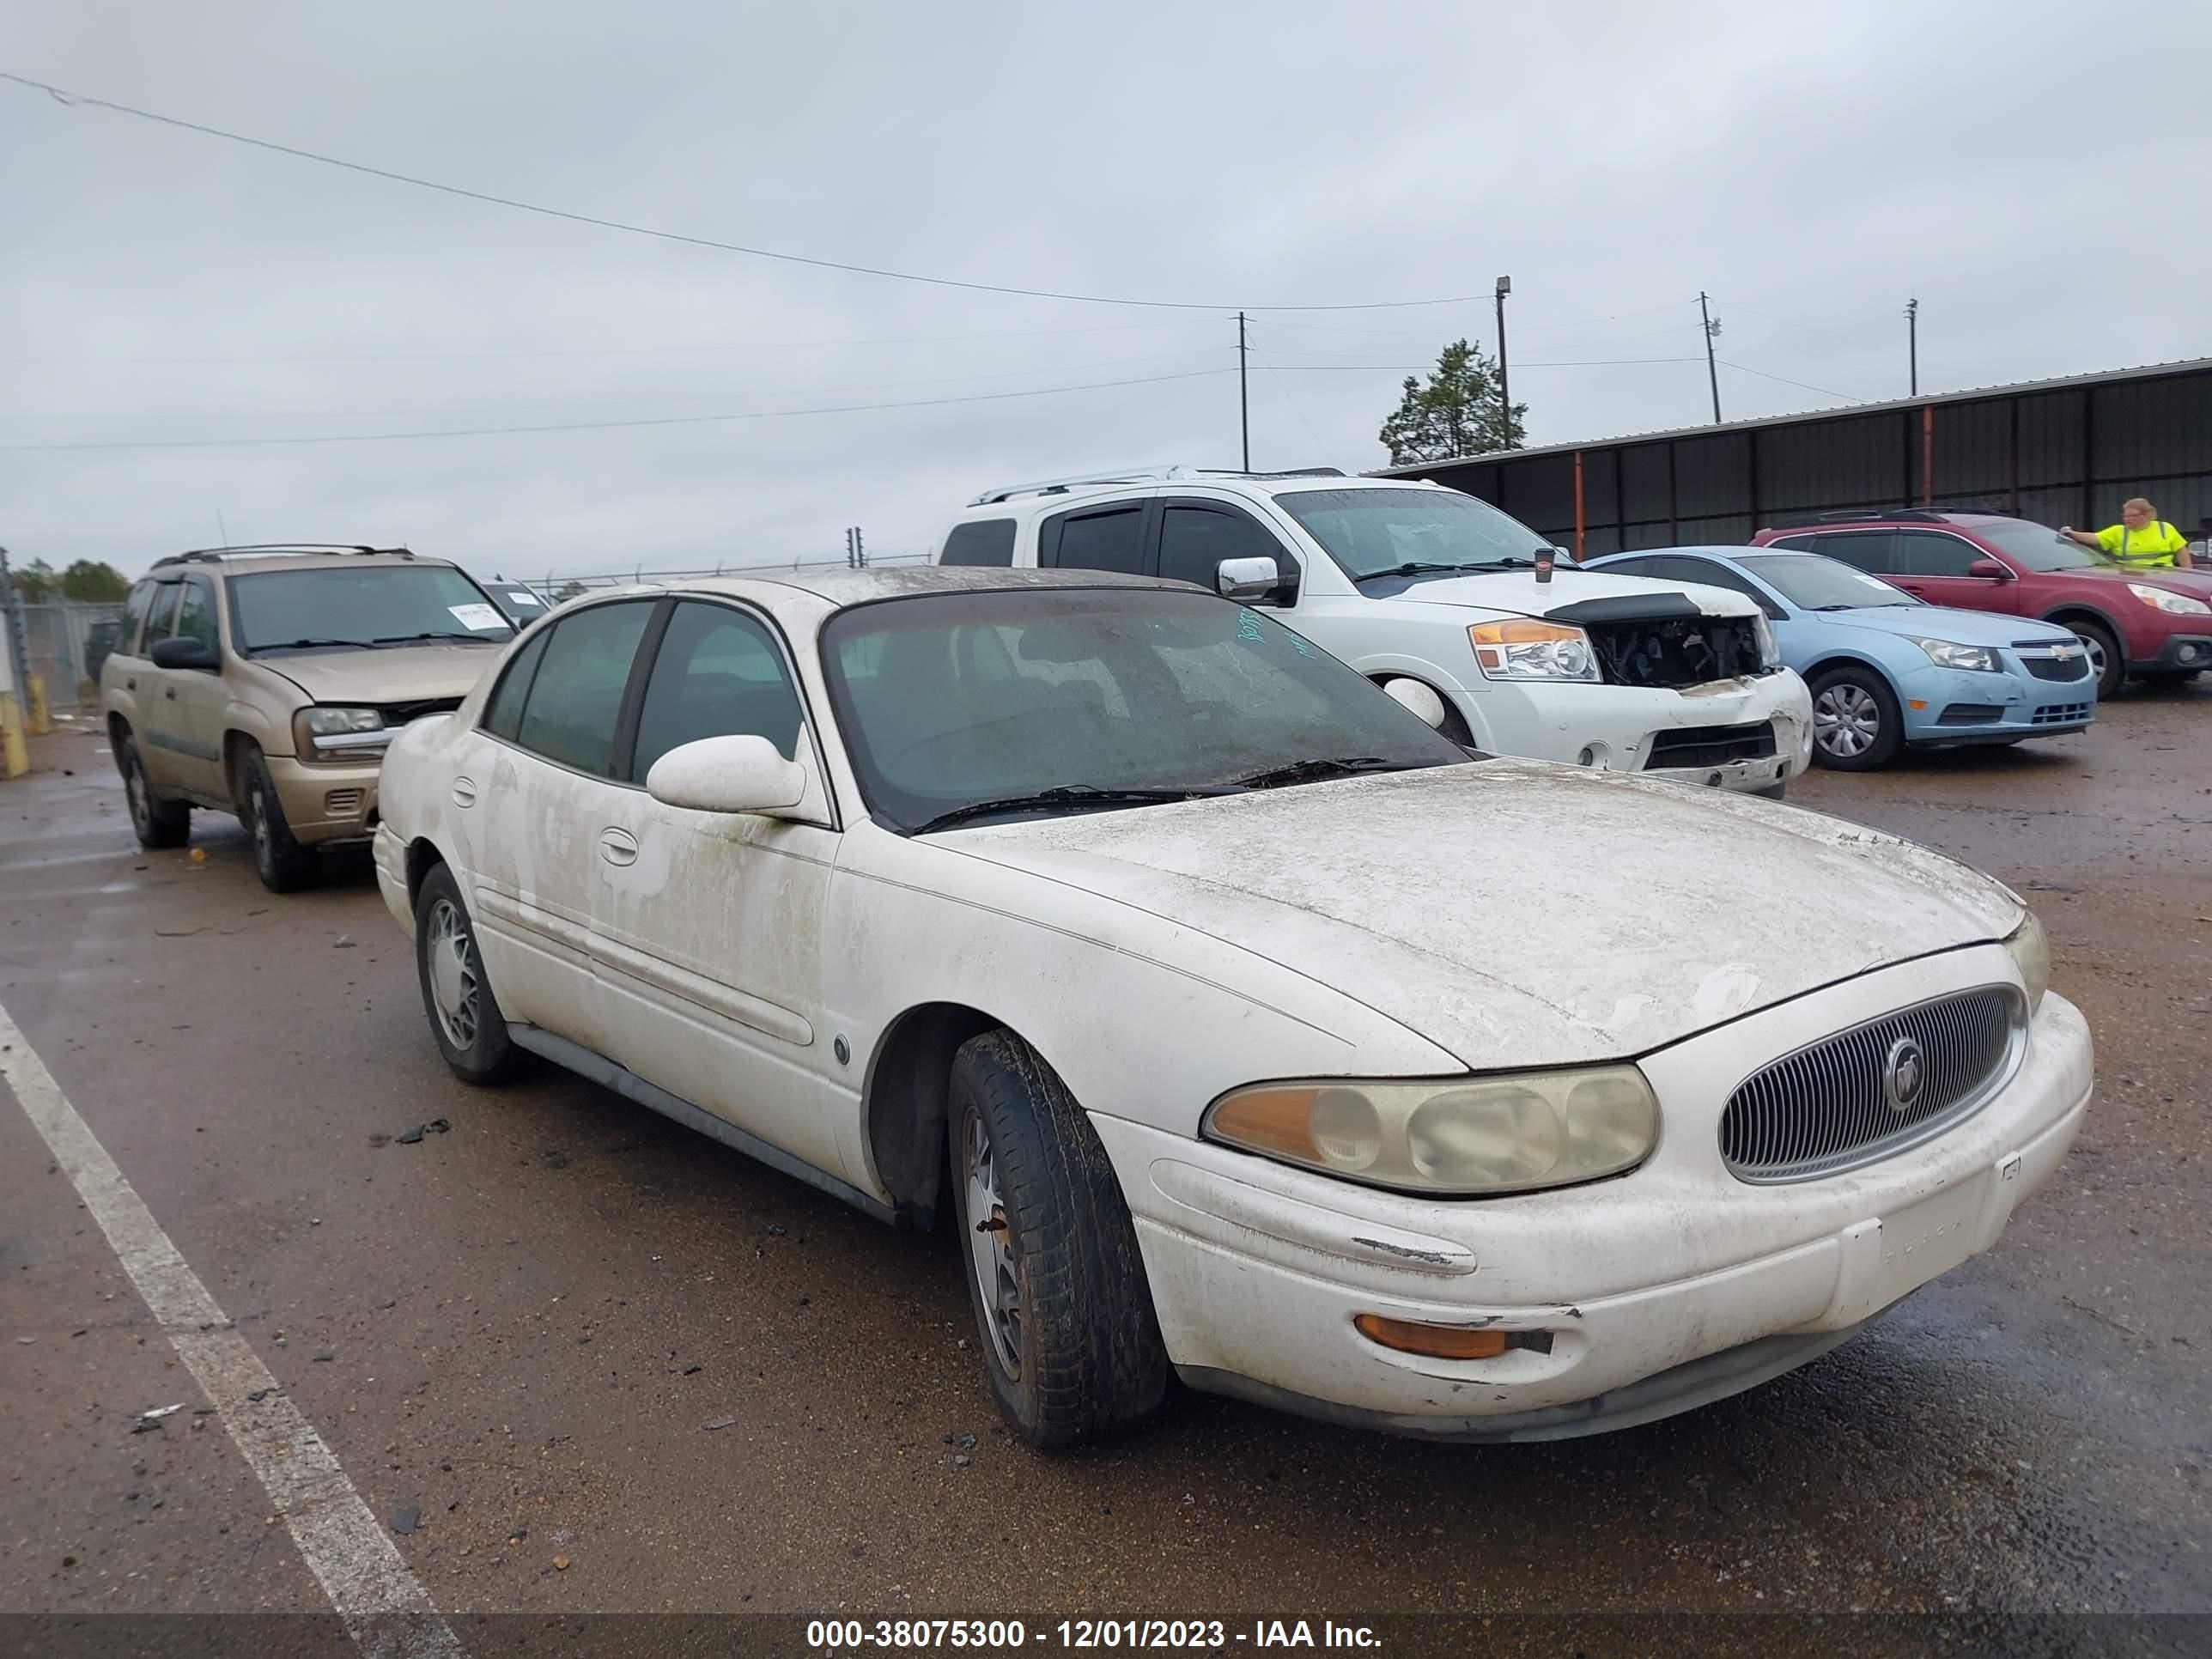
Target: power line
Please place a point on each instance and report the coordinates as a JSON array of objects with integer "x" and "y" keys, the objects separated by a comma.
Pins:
[
  {"x": 63, "y": 95},
  {"x": 1801, "y": 385},
  {"x": 605, "y": 426}
]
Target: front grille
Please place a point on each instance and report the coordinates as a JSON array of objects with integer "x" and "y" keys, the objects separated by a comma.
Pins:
[
  {"x": 2063, "y": 714},
  {"x": 1675, "y": 652},
  {"x": 1970, "y": 714},
  {"x": 2039, "y": 657},
  {"x": 1710, "y": 745},
  {"x": 1833, "y": 1105},
  {"x": 398, "y": 713}
]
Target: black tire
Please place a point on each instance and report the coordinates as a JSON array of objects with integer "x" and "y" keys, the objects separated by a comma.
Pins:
[
  {"x": 477, "y": 1047},
  {"x": 157, "y": 823},
  {"x": 2106, "y": 659},
  {"x": 1083, "y": 1360},
  {"x": 1863, "y": 711},
  {"x": 282, "y": 864}
]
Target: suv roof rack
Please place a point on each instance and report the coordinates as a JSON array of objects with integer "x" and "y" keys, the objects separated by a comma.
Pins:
[
  {"x": 278, "y": 549},
  {"x": 1142, "y": 474},
  {"x": 1883, "y": 515}
]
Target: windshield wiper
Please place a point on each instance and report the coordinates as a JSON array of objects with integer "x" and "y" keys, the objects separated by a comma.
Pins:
[
  {"x": 1314, "y": 770},
  {"x": 302, "y": 645},
  {"x": 409, "y": 639},
  {"x": 1410, "y": 570},
  {"x": 1066, "y": 794}
]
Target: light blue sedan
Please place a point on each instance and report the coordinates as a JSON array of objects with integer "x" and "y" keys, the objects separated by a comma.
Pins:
[{"x": 1885, "y": 669}]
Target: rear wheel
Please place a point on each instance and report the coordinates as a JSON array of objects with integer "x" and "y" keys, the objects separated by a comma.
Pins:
[
  {"x": 1070, "y": 1343},
  {"x": 2106, "y": 661},
  {"x": 157, "y": 823},
  {"x": 282, "y": 864},
  {"x": 1857, "y": 725},
  {"x": 464, "y": 1016}
]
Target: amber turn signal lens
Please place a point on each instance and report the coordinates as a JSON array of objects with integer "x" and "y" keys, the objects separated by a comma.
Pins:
[{"x": 1436, "y": 1341}]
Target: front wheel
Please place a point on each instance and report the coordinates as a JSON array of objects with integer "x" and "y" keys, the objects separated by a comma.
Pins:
[
  {"x": 464, "y": 1017},
  {"x": 1857, "y": 725},
  {"x": 2106, "y": 661},
  {"x": 1070, "y": 1342},
  {"x": 282, "y": 864}
]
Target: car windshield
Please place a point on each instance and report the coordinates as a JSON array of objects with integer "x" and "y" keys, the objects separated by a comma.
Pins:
[
  {"x": 1811, "y": 582},
  {"x": 950, "y": 701},
  {"x": 343, "y": 604},
  {"x": 1368, "y": 531},
  {"x": 2038, "y": 547}
]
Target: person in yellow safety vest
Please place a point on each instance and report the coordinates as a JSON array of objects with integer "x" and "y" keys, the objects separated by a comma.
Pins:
[{"x": 2141, "y": 541}]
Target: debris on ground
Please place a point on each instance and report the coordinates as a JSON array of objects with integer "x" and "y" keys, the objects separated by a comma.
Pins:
[
  {"x": 776, "y": 1229},
  {"x": 164, "y": 1410},
  {"x": 693, "y": 1370},
  {"x": 342, "y": 943},
  {"x": 407, "y": 1520},
  {"x": 714, "y": 1423},
  {"x": 560, "y": 1564},
  {"x": 963, "y": 1460}
]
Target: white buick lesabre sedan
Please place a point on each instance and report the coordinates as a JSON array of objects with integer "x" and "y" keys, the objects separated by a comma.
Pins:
[{"x": 1248, "y": 1030}]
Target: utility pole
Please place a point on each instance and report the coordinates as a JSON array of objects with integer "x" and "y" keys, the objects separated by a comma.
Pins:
[
  {"x": 1505, "y": 383},
  {"x": 1243, "y": 395},
  {"x": 1713, "y": 371},
  {"x": 1912, "y": 340}
]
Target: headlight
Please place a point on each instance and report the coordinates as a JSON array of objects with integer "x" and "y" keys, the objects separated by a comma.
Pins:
[
  {"x": 2174, "y": 605},
  {"x": 1524, "y": 649},
  {"x": 329, "y": 731},
  {"x": 1478, "y": 1135},
  {"x": 1770, "y": 655},
  {"x": 2031, "y": 954},
  {"x": 1945, "y": 654}
]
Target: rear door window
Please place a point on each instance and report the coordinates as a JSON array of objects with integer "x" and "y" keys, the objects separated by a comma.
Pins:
[
  {"x": 980, "y": 541},
  {"x": 1109, "y": 538},
  {"x": 1874, "y": 550},
  {"x": 1931, "y": 553},
  {"x": 128, "y": 644},
  {"x": 162, "y": 620},
  {"x": 574, "y": 703},
  {"x": 504, "y": 719}
]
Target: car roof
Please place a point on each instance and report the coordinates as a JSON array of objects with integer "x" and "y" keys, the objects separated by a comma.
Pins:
[
  {"x": 1051, "y": 498},
  {"x": 251, "y": 560},
  {"x": 840, "y": 588}
]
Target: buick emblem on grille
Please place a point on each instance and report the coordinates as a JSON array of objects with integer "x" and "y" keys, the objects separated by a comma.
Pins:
[{"x": 1902, "y": 1075}]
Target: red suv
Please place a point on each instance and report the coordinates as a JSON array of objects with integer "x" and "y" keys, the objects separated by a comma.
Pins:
[{"x": 2155, "y": 624}]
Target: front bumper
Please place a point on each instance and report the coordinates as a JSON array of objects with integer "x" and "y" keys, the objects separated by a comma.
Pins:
[
  {"x": 2019, "y": 705},
  {"x": 2180, "y": 654},
  {"x": 1658, "y": 1292},
  {"x": 325, "y": 804},
  {"x": 1614, "y": 727}
]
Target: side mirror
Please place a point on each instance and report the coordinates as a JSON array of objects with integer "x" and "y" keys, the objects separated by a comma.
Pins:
[
  {"x": 182, "y": 652},
  {"x": 1421, "y": 699},
  {"x": 1990, "y": 569},
  {"x": 727, "y": 774},
  {"x": 1247, "y": 579}
]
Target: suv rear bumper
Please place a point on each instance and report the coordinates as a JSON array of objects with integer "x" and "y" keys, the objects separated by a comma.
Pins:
[{"x": 325, "y": 804}]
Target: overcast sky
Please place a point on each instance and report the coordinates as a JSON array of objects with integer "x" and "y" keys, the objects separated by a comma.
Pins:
[{"x": 2034, "y": 173}]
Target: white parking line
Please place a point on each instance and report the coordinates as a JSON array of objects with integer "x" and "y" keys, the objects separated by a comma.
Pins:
[{"x": 384, "y": 1607}]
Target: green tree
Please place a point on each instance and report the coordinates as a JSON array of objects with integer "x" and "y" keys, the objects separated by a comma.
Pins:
[
  {"x": 35, "y": 581},
  {"x": 93, "y": 581},
  {"x": 1460, "y": 411}
]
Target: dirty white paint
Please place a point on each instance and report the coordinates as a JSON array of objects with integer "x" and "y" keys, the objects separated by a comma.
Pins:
[
  {"x": 383, "y": 1606},
  {"x": 1507, "y": 914}
]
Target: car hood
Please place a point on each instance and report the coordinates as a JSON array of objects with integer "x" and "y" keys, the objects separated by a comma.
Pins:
[
  {"x": 1520, "y": 593},
  {"x": 395, "y": 673},
  {"x": 1936, "y": 622},
  {"x": 2197, "y": 583},
  {"x": 1517, "y": 913}
]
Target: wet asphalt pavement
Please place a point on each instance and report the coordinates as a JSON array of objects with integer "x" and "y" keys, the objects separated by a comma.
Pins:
[{"x": 521, "y": 1328}]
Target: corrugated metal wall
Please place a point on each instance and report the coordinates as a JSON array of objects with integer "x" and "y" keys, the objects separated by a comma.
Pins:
[{"x": 2069, "y": 455}]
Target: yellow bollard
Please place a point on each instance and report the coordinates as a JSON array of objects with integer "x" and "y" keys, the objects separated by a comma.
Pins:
[
  {"x": 14, "y": 754},
  {"x": 38, "y": 721}
]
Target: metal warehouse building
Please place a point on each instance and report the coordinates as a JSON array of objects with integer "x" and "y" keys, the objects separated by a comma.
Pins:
[{"x": 2064, "y": 451}]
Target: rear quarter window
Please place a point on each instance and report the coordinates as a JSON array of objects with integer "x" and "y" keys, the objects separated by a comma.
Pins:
[{"x": 980, "y": 541}]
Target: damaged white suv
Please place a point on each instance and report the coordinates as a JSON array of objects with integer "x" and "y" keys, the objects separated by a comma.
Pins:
[{"x": 1528, "y": 653}]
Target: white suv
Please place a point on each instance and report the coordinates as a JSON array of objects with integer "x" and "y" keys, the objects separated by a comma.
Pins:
[{"x": 1528, "y": 653}]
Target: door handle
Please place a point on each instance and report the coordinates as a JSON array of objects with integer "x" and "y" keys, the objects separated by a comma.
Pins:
[
  {"x": 465, "y": 793},
  {"x": 618, "y": 846}
]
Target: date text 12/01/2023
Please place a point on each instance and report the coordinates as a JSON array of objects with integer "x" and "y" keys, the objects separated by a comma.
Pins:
[{"x": 831, "y": 1634}]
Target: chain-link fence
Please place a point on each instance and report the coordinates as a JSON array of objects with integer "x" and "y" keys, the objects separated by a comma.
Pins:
[{"x": 66, "y": 642}]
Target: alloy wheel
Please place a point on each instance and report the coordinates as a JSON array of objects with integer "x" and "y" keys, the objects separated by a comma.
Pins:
[
  {"x": 990, "y": 1255},
  {"x": 1846, "y": 721},
  {"x": 454, "y": 980}
]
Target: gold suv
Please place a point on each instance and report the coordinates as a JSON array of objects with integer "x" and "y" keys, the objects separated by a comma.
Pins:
[{"x": 267, "y": 682}]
